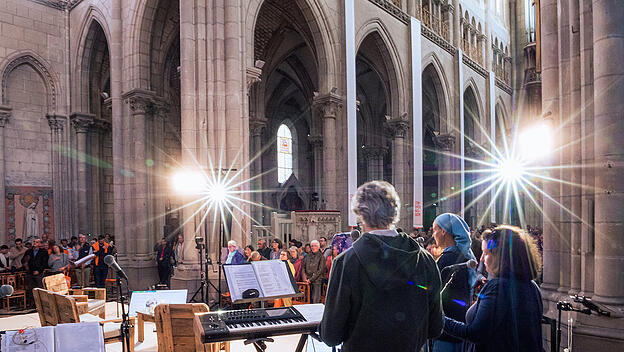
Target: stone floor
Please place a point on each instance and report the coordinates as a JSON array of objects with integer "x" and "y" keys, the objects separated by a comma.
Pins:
[{"x": 281, "y": 344}]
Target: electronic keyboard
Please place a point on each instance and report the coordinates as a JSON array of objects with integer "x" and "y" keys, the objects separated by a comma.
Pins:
[{"x": 258, "y": 322}]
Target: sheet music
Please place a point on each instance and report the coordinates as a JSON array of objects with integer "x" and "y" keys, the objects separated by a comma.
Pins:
[
  {"x": 84, "y": 260},
  {"x": 32, "y": 340},
  {"x": 91, "y": 337},
  {"x": 240, "y": 278},
  {"x": 273, "y": 277}
]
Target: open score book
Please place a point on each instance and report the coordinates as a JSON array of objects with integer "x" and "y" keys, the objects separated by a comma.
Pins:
[{"x": 272, "y": 278}]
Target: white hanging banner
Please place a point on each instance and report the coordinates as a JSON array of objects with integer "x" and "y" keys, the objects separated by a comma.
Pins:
[
  {"x": 462, "y": 140},
  {"x": 351, "y": 106},
  {"x": 492, "y": 99},
  {"x": 417, "y": 121}
]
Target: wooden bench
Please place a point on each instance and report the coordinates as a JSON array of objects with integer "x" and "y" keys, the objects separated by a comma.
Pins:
[
  {"x": 55, "y": 308},
  {"x": 96, "y": 305}
]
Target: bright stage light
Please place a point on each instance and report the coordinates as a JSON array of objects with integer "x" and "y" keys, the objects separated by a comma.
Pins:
[
  {"x": 535, "y": 142},
  {"x": 189, "y": 182},
  {"x": 217, "y": 193},
  {"x": 511, "y": 170}
]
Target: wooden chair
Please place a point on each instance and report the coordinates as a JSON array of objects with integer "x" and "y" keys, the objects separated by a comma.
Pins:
[
  {"x": 46, "y": 307},
  {"x": 17, "y": 293},
  {"x": 96, "y": 306},
  {"x": 174, "y": 328},
  {"x": 305, "y": 299},
  {"x": 67, "y": 312}
]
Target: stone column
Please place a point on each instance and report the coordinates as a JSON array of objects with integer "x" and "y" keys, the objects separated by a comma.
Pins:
[
  {"x": 444, "y": 144},
  {"x": 100, "y": 127},
  {"x": 550, "y": 105},
  {"x": 608, "y": 33},
  {"x": 141, "y": 103},
  {"x": 456, "y": 27},
  {"x": 317, "y": 150},
  {"x": 81, "y": 123},
  {"x": 447, "y": 20},
  {"x": 5, "y": 116},
  {"x": 399, "y": 128},
  {"x": 487, "y": 59},
  {"x": 256, "y": 126},
  {"x": 57, "y": 123},
  {"x": 329, "y": 106},
  {"x": 374, "y": 158}
]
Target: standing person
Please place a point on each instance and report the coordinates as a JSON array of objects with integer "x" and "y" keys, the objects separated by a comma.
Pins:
[
  {"x": 306, "y": 250},
  {"x": 234, "y": 256},
  {"x": 384, "y": 292},
  {"x": 16, "y": 254},
  {"x": 100, "y": 270},
  {"x": 326, "y": 250},
  {"x": 58, "y": 261},
  {"x": 84, "y": 249},
  {"x": 178, "y": 250},
  {"x": 163, "y": 259},
  {"x": 452, "y": 236},
  {"x": 247, "y": 252},
  {"x": 330, "y": 258},
  {"x": 276, "y": 246},
  {"x": 314, "y": 271},
  {"x": 36, "y": 259},
  {"x": 263, "y": 249},
  {"x": 285, "y": 302},
  {"x": 4, "y": 258},
  {"x": 296, "y": 261},
  {"x": 507, "y": 315}
]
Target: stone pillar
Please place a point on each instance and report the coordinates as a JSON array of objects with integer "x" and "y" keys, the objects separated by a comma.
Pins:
[
  {"x": 487, "y": 59},
  {"x": 141, "y": 105},
  {"x": 101, "y": 128},
  {"x": 550, "y": 107},
  {"x": 329, "y": 106},
  {"x": 256, "y": 126},
  {"x": 81, "y": 123},
  {"x": 374, "y": 156},
  {"x": 444, "y": 144},
  {"x": 447, "y": 22},
  {"x": 457, "y": 30},
  {"x": 5, "y": 115},
  {"x": 399, "y": 128},
  {"x": 317, "y": 150},
  {"x": 608, "y": 16},
  {"x": 57, "y": 124},
  {"x": 575, "y": 149}
]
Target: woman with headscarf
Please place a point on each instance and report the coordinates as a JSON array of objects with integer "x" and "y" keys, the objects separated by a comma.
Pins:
[{"x": 452, "y": 235}]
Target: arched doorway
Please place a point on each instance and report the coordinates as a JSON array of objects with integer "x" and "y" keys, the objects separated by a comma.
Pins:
[
  {"x": 434, "y": 111},
  {"x": 471, "y": 151},
  {"x": 284, "y": 42}
]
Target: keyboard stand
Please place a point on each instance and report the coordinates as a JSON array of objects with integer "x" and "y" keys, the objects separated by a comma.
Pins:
[{"x": 260, "y": 343}]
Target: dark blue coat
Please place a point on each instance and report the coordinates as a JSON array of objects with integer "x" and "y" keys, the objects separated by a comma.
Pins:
[
  {"x": 237, "y": 259},
  {"x": 506, "y": 317}
]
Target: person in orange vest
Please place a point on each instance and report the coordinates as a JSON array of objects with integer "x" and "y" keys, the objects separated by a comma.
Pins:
[{"x": 100, "y": 270}]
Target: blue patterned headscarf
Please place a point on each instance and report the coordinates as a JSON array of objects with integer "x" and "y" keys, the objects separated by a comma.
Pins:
[{"x": 457, "y": 227}]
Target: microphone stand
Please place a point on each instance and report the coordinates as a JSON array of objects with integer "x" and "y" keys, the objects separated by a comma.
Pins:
[{"x": 125, "y": 321}]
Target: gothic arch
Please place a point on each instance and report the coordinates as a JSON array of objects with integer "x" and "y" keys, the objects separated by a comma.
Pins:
[
  {"x": 93, "y": 17},
  {"x": 322, "y": 39},
  {"x": 500, "y": 112},
  {"x": 470, "y": 83},
  {"x": 441, "y": 87},
  {"x": 41, "y": 67},
  {"x": 391, "y": 59}
]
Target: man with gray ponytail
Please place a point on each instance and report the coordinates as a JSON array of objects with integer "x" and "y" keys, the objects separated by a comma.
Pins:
[{"x": 384, "y": 292}]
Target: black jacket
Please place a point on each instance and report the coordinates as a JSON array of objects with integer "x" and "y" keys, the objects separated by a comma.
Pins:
[
  {"x": 37, "y": 262},
  {"x": 457, "y": 296},
  {"x": 506, "y": 317},
  {"x": 265, "y": 253},
  {"x": 383, "y": 295},
  {"x": 168, "y": 256}
]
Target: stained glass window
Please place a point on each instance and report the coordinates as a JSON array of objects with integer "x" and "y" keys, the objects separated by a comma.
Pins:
[{"x": 284, "y": 153}]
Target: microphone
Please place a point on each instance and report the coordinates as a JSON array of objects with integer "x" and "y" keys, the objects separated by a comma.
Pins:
[
  {"x": 6, "y": 290},
  {"x": 421, "y": 241},
  {"x": 110, "y": 261},
  {"x": 471, "y": 264},
  {"x": 355, "y": 234}
]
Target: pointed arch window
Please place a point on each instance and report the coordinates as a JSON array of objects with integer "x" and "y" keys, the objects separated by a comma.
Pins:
[{"x": 284, "y": 153}]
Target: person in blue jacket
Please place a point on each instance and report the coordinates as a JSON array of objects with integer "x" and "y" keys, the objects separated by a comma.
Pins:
[
  {"x": 234, "y": 256},
  {"x": 507, "y": 314},
  {"x": 452, "y": 235}
]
